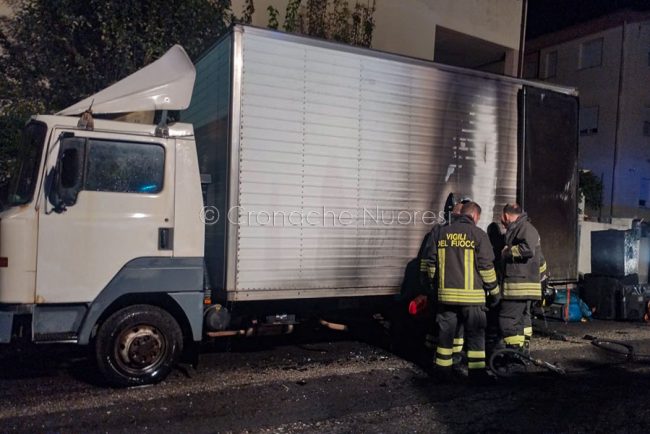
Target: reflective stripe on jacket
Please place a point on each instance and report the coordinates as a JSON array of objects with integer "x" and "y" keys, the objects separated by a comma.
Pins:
[
  {"x": 463, "y": 257},
  {"x": 524, "y": 264}
]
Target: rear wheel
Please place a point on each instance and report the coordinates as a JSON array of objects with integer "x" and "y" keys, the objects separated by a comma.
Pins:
[{"x": 138, "y": 345}]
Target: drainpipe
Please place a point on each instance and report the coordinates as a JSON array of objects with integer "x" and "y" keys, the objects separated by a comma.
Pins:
[
  {"x": 522, "y": 38},
  {"x": 618, "y": 117}
]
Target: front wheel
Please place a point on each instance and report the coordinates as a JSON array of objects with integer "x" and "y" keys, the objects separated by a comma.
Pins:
[{"x": 138, "y": 345}]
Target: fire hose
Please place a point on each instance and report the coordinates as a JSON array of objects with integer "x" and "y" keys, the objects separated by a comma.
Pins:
[{"x": 503, "y": 361}]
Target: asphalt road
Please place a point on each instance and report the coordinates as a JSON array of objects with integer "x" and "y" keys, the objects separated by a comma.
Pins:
[{"x": 332, "y": 383}]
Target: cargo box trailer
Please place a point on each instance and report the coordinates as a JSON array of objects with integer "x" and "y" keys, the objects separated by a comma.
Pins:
[{"x": 299, "y": 182}]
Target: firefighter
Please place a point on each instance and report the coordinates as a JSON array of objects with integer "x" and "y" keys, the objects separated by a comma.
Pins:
[
  {"x": 462, "y": 258},
  {"x": 430, "y": 282},
  {"x": 524, "y": 268}
]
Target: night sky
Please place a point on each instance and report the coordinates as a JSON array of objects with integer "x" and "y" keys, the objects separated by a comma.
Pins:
[{"x": 545, "y": 16}]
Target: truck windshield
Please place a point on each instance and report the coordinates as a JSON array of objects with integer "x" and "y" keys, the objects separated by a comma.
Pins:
[{"x": 25, "y": 170}]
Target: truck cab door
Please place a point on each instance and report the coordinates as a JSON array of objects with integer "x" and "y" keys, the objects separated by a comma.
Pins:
[{"x": 107, "y": 199}]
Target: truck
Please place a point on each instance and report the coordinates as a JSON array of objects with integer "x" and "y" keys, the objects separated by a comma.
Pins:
[{"x": 282, "y": 178}]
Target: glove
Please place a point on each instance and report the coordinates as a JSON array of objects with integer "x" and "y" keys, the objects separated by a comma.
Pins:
[
  {"x": 418, "y": 305},
  {"x": 494, "y": 300}
]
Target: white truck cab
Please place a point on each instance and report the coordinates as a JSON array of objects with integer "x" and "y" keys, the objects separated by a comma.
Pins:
[{"x": 102, "y": 226}]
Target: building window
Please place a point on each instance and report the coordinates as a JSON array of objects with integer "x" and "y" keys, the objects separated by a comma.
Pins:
[
  {"x": 551, "y": 64},
  {"x": 588, "y": 121},
  {"x": 591, "y": 53}
]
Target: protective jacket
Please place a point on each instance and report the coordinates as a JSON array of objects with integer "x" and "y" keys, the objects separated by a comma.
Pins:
[
  {"x": 463, "y": 256},
  {"x": 523, "y": 262},
  {"x": 425, "y": 247}
]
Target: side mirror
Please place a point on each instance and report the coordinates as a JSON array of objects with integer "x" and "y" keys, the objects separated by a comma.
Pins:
[{"x": 67, "y": 177}]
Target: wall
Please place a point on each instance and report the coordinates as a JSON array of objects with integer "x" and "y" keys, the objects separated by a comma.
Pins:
[
  {"x": 5, "y": 10},
  {"x": 598, "y": 86},
  {"x": 626, "y": 147},
  {"x": 409, "y": 26},
  {"x": 634, "y": 148}
]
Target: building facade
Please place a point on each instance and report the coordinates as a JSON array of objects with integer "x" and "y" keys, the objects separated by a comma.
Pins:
[
  {"x": 479, "y": 34},
  {"x": 608, "y": 60},
  {"x": 5, "y": 9}
]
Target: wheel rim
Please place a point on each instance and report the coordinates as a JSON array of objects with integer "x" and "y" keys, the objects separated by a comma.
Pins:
[{"x": 140, "y": 349}]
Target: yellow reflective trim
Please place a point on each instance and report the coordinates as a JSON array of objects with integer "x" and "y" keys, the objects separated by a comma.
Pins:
[
  {"x": 441, "y": 264},
  {"x": 515, "y": 251},
  {"x": 462, "y": 293},
  {"x": 444, "y": 351},
  {"x": 460, "y": 298},
  {"x": 471, "y": 269},
  {"x": 476, "y": 365},
  {"x": 488, "y": 276},
  {"x": 432, "y": 272},
  {"x": 458, "y": 349},
  {"x": 495, "y": 291},
  {"x": 463, "y": 296},
  {"x": 528, "y": 331},
  {"x": 526, "y": 294},
  {"x": 521, "y": 296},
  {"x": 514, "y": 340},
  {"x": 459, "y": 341},
  {"x": 465, "y": 283},
  {"x": 468, "y": 295},
  {"x": 522, "y": 285},
  {"x": 444, "y": 362},
  {"x": 522, "y": 290},
  {"x": 542, "y": 268},
  {"x": 476, "y": 354}
]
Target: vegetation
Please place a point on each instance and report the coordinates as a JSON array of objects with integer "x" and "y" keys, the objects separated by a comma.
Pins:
[
  {"x": 329, "y": 19},
  {"x": 247, "y": 13},
  {"x": 591, "y": 188},
  {"x": 54, "y": 53}
]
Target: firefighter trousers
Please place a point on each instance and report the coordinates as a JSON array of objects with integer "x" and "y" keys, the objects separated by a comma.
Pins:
[
  {"x": 528, "y": 323},
  {"x": 473, "y": 321},
  {"x": 515, "y": 322}
]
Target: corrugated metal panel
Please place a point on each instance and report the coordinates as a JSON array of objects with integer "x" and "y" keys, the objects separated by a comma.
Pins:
[{"x": 364, "y": 146}]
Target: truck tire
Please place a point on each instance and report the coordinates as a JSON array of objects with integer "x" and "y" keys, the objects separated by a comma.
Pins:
[{"x": 138, "y": 345}]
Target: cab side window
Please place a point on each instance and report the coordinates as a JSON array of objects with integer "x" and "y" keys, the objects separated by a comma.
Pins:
[{"x": 124, "y": 167}]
